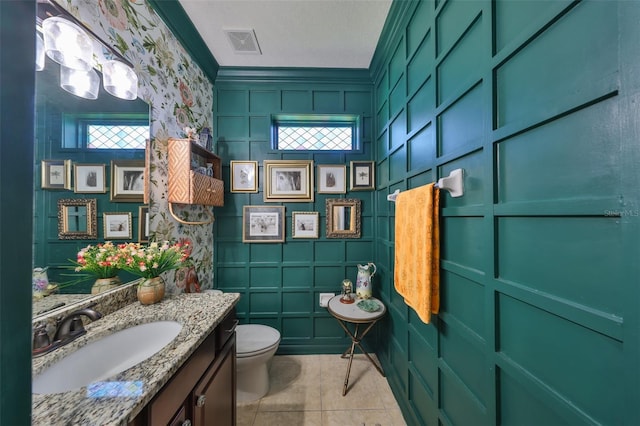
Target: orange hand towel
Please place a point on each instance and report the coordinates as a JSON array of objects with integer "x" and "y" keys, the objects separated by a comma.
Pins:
[{"x": 417, "y": 249}]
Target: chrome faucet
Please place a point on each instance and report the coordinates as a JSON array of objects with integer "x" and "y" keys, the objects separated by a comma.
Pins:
[{"x": 68, "y": 329}]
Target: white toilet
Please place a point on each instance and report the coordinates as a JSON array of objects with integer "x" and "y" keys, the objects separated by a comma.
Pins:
[{"x": 255, "y": 346}]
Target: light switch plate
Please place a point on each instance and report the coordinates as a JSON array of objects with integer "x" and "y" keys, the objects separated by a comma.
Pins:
[{"x": 324, "y": 299}]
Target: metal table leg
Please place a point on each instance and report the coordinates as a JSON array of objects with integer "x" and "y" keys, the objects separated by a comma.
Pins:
[{"x": 355, "y": 341}]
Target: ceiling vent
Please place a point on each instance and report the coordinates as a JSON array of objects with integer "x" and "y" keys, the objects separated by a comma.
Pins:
[{"x": 243, "y": 41}]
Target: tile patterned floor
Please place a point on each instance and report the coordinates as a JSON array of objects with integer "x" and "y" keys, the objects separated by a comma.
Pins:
[{"x": 306, "y": 390}]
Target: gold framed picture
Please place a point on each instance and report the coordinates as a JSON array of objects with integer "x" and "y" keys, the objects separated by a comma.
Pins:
[
  {"x": 127, "y": 181},
  {"x": 56, "y": 174},
  {"x": 244, "y": 176},
  {"x": 288, "y": 181}
]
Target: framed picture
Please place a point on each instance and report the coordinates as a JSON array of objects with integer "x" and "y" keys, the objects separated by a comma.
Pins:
[
  {"x": 127, "y": 181},
  {"x": 89, "y": 178},
  {"x": 244, "y": 176},
  {"x": 77, "y": 219},
  {"x": 332, "y": 179},
  {"x": 288, "y": 180},
  {"x": 56, "y": 174},
  {"x": 117, "y": 226},
  {"x": 147, "y": 171},
  {"x": 362, "y": 175},
  {"x": 262, "y": 224},
  {"x": 305, "y": 224},
  {"x": 143, "y": 224}
]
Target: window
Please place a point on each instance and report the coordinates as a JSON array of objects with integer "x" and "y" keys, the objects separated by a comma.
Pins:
[
  {"x": 94, "y": 133},
  {"x": 116, "y": 136},
  {"x": 315, "y": 133}
]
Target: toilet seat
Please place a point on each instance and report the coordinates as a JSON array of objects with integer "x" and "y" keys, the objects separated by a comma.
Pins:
[{"x": 255, "y": 339}]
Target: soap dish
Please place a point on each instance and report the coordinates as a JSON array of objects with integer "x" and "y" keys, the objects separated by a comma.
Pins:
[{"x": 368, "y": 305}]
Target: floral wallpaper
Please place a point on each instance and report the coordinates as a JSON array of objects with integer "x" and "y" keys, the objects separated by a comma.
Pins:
[{"x": 180, "y": 96}]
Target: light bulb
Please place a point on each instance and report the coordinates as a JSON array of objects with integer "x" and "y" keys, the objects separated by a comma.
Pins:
[
  {"x": 120, "y": 80},
  {"x": 67, "y": 44},
  {"x": 85, "y": 84}
]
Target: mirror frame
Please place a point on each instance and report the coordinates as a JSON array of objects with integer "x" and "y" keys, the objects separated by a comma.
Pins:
[
  {"x": 354, "y": 230},
  {"x": 63, "y": 222}
]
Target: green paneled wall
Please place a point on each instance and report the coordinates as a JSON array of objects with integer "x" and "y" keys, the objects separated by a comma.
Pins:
[
  {"x": 280, "y": 283},
  {"x": 539, "y": 270}
]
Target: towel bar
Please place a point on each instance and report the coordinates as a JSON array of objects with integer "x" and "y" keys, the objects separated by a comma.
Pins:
[{"x": 452, "y": 183}]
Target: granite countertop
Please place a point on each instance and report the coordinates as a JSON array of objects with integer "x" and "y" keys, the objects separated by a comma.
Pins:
[{"x": 199, "y": 315}]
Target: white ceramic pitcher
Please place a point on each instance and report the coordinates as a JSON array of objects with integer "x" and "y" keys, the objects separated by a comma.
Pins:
[{"x": 363, "y": 280}]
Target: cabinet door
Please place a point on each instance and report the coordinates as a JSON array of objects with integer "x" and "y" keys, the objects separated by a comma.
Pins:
[
  {"x": 180, "y": 418},
  {"x": 214, "y": 398}
]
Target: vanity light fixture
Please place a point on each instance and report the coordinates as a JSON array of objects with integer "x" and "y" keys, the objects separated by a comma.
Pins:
[
  {"x": 85, "y": 84},
  {"x": 67, "y": 43},
  {"x": 120, "y": 80}
]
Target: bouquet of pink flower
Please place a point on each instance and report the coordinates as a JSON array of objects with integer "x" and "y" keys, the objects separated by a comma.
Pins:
[
  {"x": 101, "y": 260},
  {"x": 152, "y": 260}
]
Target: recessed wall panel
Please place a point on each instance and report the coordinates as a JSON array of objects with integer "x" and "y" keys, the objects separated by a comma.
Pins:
[
  {"x": 513, "y": 18},
  {"x": 424, "y": 360},
  {"x": 465, "y": 358},
  {"x": 463, "y": 241},
  {"x": 420, "y": 107},
  {"x": 297, "y": 328},
  {"x": 231, "y": 101},
  {"x": 422, "y": 148},
  {"x": 265, "y": 302},
  {"x": 551, "y": 75},
  {"x": 231, "y": 251},
  {"x": 398, "y": 164},
  {"x": 462, "y": 65},
  {"x": 458, "y": 403},
  {"x": 578, "y": 259},
  {"x": 297, "y": 302},
  {"x": 264, "y": 101},
  {"x": 327, "y": 101},
  {"x": 454, "y": 18},
  {"x": 266, "y": 277},
  {"x": 259, "y": 128},
  {"x": 398, "y": 97},
  {"x": 519, "y": 406},
  {"x": 233, "y": 127},
  {"x": 294, "y": 251},
  {"x": 574, "y": 361},
  {"x": 419, "y": 69},
  {"x": 297, "y": 276},
  {"x": 567, "y": 147},
  {"x": 461, "y": 298},
  {"x": 397, "y": 63},
  {"x": 418, "y": 26},
  {"x": 398, "y": 130},
  {"x": 296, "y": 100},
  {"x": 461, "y": 124},
  {"x": 267, "y": 252}
]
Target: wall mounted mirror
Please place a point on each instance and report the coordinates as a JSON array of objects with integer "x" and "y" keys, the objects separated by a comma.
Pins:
[
  {"x": 77, "y": 219},
  {"x": 343, "y": 218},
  {"x": 61, "y": 132}
]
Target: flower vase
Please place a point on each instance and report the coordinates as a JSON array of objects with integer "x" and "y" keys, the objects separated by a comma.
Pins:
[
  {"x": 151, "y": 290},
  {"x": 104, "y": 284}
]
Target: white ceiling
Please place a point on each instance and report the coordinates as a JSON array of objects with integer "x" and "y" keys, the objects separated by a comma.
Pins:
[{"x": 292, "y": 33}]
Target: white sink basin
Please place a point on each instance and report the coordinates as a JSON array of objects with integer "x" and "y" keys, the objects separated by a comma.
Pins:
[{"x": 106, "y": 357}]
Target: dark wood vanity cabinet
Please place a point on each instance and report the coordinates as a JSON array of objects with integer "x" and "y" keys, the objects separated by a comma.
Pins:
[{"x": 203, "y": 390}]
